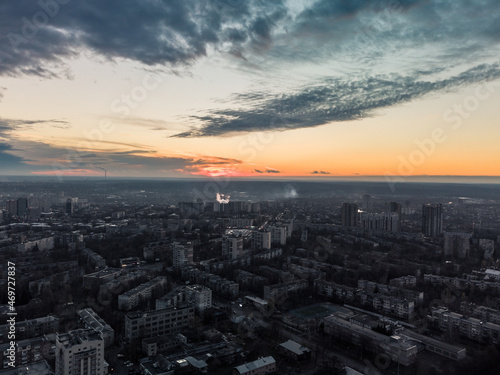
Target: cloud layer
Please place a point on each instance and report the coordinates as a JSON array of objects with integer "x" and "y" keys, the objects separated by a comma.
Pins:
[
  {"x": 331, "y": 100},
  {"x": 40, "y": 37},
  {"x": 37, "y": 37}
]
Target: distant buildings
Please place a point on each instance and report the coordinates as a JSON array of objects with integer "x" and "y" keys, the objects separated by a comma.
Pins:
[
  {"x": 367, "y": 202},
  {"x": 216, "y": 283},
  {"x": 399, "y": 350},
  {"x": 457, "y": 244},
  {"x": 488, "y": 246},
  {"x": 388, "y": 222},
  {"x": 11, "y": 206},
  {"x": 472, "y": 328},
  {"x": 191, "y": 208},
  {"x": 132, "y": 298},
  {"x": 432, "y": 219},
  {"x": 404, "y": 281},
  {"x": 198, "y": 296},
  {"x": 284, "y": 289}
]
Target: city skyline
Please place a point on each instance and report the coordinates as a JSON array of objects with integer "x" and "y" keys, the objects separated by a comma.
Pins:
[{"x": 306, "y": 89}]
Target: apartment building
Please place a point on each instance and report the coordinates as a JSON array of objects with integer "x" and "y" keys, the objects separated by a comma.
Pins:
[
  {"x": 158, "y": 322},
  {"x": 133, "y": 297},
  {"x": 198, "y": 296},
  {"x": 80, "y": 352},
  {"x": 90, "y": 320}
]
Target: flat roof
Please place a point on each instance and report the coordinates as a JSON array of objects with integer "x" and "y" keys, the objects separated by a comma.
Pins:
[
  {"x": 430, "y": 341},
  {"x": 295, "y": 347},
  {"x": 261, "y": 362}
]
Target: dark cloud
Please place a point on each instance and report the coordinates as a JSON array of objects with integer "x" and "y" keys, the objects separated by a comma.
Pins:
[
  {"x": 44, "y": 158},
  {"x": 320, "y": 172},
  {"x": 7, "y": 125},
  {"x": 269, "y": 170},
  {"x": 10, "y": 162},
  {"x": 349, "y": 8},
  {"x": 36, "y": 38},
  {"x": 258, "y": 171},
  {"x": 380, "y": 33},
  {"x": 331, "y": 100}
]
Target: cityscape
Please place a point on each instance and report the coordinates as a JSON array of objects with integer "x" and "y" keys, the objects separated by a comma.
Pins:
[
  {"x": 149, "y": 277},
  {"x": 249, "y": 187}
]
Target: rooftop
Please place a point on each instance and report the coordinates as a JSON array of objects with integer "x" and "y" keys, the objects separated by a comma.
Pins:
[
  {"x": 295, "y": 347},
  {"x": 261, "y": 362}
]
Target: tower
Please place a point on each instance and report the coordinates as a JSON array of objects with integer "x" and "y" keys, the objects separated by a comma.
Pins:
[
  {"x": 350, "y": 215},
  {"x": 432, "y": 219},
  {"x": 22, "y": 206}
]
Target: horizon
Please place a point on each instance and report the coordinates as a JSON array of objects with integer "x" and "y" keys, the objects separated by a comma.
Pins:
[{"x": 389, "y": 180}]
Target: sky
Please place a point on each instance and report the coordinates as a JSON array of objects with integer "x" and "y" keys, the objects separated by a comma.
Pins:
[{"x": 264, "y": 89}]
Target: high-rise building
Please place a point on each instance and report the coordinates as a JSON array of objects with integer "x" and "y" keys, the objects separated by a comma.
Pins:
[
  {"x": 394, "y": 208},
  {"x": 71, "y": 205},
  {"x": 432, "y": 219},
  {"x": 232, "y": 246},
  {"x": 22, "y": 207},
  {"x": 261, "y": 239},
  {"x": 80, "y": 352},
  {"x": 178, "y": 255},
  {"x": 278, "y": 234},
  {"x": 11, "y": 206},
  {"x": 350, "y": 215}
]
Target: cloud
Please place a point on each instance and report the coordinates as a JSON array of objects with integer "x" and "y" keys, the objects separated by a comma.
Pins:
[
  {"x": 320, "y": 172},
  {"x": 41, "y": 158},
  {"x": 331, "y": 100},
  {"x": 38, "y": 38},
  {"x": 12, "y": 124},
  {"x": 41, "y": 37},
  {"x": 269, "y": 170}
]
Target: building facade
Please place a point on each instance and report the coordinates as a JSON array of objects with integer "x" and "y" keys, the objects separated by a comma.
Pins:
[{"x": 80, "y": 352}]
